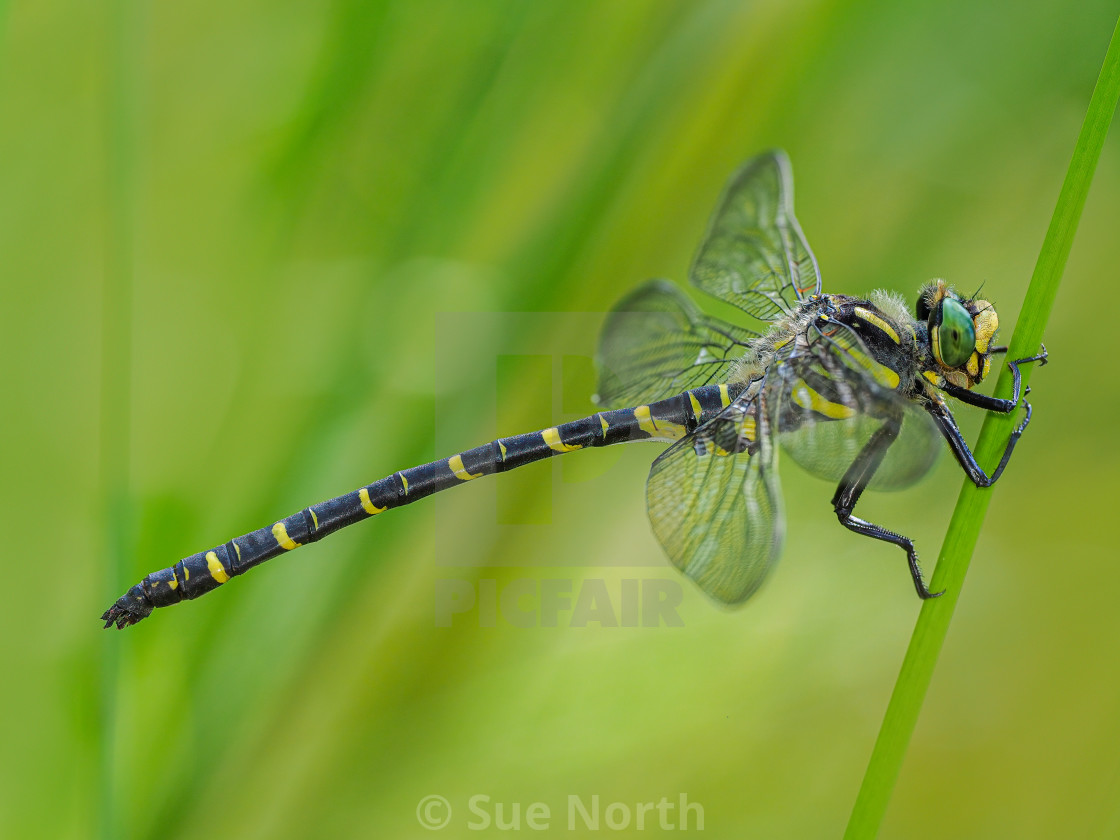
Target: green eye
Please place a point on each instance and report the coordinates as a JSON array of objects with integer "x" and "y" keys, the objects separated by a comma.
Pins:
[{"x": 954, "y": 338}]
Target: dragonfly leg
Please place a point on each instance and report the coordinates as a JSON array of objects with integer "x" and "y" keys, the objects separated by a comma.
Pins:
[
  {"x": 992, "y": 403},
  {"x": 853, "y": 484},
  {"x": 947, "y": 425}
]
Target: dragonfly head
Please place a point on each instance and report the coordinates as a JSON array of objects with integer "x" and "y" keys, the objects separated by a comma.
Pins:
[{"x": 961, "y": 331}]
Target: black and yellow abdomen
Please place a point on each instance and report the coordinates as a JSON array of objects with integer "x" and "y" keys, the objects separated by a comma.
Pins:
[{"x": 200, "y": 573}]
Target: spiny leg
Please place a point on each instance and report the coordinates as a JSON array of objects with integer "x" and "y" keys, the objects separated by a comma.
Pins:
[
  {"x": 853, "y": 484},
  {"x": 1042, "y": 357},
  {"x": 947, "y": 425},
  {"x": 993, "y": 403}
]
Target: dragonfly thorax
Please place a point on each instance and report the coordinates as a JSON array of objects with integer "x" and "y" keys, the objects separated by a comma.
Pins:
[{"x": 783, "y": 336}]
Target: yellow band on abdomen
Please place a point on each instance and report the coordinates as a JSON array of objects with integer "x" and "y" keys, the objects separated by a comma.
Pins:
[
  {"x": 367, "y": 505},
  {"x": 552, "y": 438},
  {"x": 217, "y": 570},
  {"x": 663, "y": 429},
  {"x": 455, "y": 464},
  {"x": 696, "y": 409},
  {"x": 281, "y": 535}
]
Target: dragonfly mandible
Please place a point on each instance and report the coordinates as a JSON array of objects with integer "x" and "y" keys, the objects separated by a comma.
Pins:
[{"x": 854, "y": 389}]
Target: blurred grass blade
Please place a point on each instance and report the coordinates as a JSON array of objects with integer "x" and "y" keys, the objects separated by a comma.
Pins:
[
  {"x": 964, "y": 529},
  {"x": 116, "y": 374}
]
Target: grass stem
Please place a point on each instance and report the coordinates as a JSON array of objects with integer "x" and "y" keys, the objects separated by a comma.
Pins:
[{"x": 964, "y": 528}]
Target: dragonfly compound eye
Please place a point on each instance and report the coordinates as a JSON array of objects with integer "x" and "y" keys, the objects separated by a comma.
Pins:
[{"x": 952, "y": 333}]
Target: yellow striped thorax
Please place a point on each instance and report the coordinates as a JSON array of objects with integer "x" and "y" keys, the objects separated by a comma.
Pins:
[
  {"x": 887, "y": 348},
  {"x": 950, "y": 340}
]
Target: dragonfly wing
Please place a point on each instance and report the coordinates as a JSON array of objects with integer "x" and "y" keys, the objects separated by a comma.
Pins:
[
  {"x": 833, "y": 396},
  {"x": 714, "y": 502},
  {"x": 656, "y": 343},
  {"x": 754, "y": 254}
]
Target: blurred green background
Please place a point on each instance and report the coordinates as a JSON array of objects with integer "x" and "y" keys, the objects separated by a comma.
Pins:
[{"x": 259, "y": 254}]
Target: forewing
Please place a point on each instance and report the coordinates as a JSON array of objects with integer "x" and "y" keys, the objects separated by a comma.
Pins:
[
  {"x": 754, "y": 254},
  {"x": 656, "y": 343},
  {"x": 830, "y": 395},
  {"x": 715, "y": 506}
]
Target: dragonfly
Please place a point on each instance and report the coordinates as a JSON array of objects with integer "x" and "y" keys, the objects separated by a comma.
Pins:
[{"x": 854, "y": 389}]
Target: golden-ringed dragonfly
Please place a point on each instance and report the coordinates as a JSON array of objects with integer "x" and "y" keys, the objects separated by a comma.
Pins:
[{"x": 852, "y": 388}]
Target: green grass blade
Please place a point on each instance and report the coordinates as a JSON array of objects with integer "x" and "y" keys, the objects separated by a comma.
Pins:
[{"x": 964, "y": 528}]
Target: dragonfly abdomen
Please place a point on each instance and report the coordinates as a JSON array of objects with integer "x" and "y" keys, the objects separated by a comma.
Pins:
[{"x": 193, "y": 576}]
